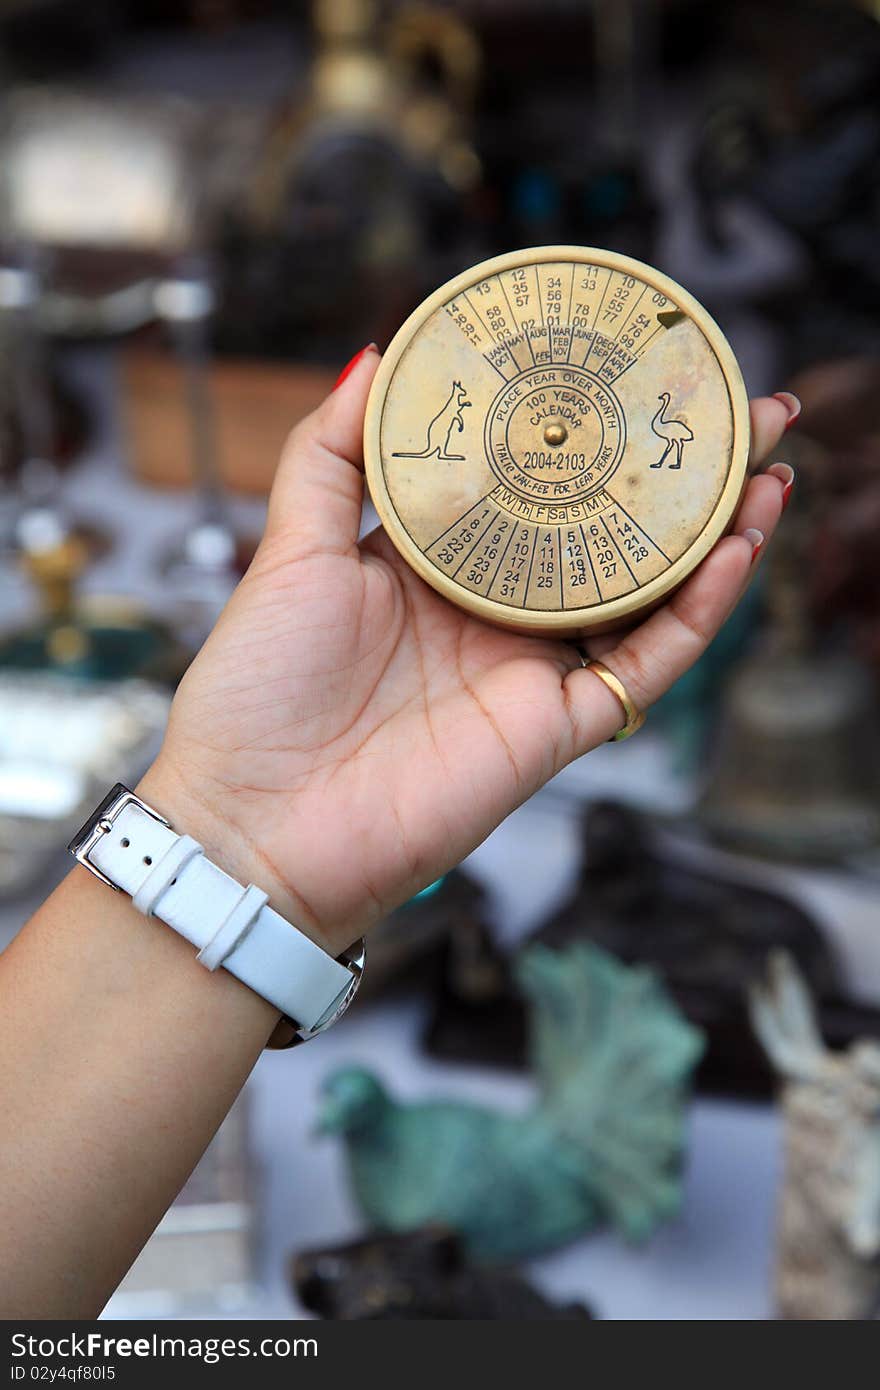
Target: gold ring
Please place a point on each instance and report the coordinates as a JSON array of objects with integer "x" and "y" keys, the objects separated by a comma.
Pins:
[{"x": 635, "y": 718}]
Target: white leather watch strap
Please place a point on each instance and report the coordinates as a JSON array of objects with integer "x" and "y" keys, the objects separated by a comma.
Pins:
[{"x": 168, "y": 876}]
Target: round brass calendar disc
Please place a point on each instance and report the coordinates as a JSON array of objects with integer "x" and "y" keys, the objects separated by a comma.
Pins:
[{"x": 556, "y": 438}]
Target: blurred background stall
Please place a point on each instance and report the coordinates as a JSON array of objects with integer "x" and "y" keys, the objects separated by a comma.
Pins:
[{"x": 205, "y": 209}]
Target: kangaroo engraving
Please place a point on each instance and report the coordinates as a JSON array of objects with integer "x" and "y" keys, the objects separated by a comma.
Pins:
[{"x": 447, "y": 419}]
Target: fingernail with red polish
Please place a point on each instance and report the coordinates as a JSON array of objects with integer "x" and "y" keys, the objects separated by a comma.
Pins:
[
  {"x": 785, "y": 473},
  {"x": 755, "y": 539},
  {"x": 792, "y": 405},
  {"x": 350, "y": 366}
]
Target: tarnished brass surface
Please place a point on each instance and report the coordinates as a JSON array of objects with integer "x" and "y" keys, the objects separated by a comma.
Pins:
[{"x": 556, "y": 438}]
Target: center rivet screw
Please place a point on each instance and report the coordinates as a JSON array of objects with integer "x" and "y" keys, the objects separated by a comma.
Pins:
[{"x": 555, "y": 433}]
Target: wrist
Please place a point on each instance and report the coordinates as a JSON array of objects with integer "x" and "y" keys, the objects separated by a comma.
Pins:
[
  {"x": 193, "y": 810},
  {"x": 132, "y": 844}
]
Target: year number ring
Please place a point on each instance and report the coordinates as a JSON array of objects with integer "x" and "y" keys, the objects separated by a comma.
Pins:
[{"x": 556, "y": 438}]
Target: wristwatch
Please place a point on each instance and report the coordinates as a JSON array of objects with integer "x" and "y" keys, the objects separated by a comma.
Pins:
[{"x": 133, "y": 848}]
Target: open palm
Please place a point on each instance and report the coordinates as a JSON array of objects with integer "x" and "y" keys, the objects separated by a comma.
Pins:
[{"x": 346, "y": 735}]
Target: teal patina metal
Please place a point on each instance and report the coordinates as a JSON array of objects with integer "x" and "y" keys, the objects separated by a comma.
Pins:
[{"x": 603, "y": 1140}]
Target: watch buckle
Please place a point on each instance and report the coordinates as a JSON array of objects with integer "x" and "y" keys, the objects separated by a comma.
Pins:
[{"x": 101, "y": 822}]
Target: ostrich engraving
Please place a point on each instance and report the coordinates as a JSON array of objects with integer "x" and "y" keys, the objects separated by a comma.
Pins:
[
  {"x": 675, "y": 433},
  {"x": 447, "y": 419}
]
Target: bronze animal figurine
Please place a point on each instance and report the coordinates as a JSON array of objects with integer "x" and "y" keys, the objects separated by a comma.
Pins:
[{"x": 602, "y": 1141}]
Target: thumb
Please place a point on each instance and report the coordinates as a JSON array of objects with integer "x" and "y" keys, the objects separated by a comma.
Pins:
[{"x": 317, "y": 495}]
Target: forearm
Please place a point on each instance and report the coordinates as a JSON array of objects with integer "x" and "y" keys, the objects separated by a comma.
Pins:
[{"x": 119, "y": 1057}]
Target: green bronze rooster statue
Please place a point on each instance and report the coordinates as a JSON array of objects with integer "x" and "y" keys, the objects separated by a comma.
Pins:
[{"x": 612, "y": 1060}]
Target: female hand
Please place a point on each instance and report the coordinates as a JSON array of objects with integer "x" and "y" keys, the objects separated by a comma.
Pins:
[{"x": 346, "y": 735}]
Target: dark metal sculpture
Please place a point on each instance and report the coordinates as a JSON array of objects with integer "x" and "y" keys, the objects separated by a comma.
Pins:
[
  {"x": 707, "y": 936},
  {"x": 422, "y": 1274}
]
